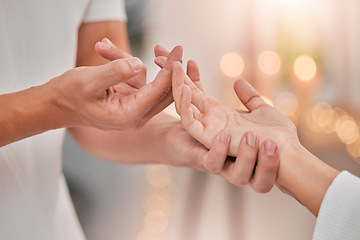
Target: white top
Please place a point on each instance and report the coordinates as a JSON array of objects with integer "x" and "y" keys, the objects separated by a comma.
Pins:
[
  {"x": 38, "y": 41},
  {"x": 339, "y": 216}
]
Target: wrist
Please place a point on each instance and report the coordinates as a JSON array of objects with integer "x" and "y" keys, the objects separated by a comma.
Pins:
[
  {"x": 64, "y": 101},
  {"x": 162, "y": 126},
  {"x": 304, "y": 175},
  {"x": 57, "y": 111}
]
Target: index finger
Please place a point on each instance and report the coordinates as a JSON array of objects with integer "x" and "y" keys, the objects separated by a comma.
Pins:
[
  {"x": 154, "y": 92},
  {"x": 160, "y": 51},
  {"x": 108, "y": 50}
]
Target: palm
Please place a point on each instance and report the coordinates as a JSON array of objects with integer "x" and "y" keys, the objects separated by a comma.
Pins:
[
  {"x": 136, "y": 99},
  {"x": 204, "y": 118}
]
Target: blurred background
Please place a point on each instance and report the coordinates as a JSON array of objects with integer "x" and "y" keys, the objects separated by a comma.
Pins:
[{"x": 303, "y": 56}]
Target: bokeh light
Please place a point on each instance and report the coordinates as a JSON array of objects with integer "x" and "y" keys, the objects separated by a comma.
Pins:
[
  {"x": 158, "y": 202},
  {"x": 353, "y": 149},
  {"x": 326, "y": 120},
  {"x": 269, "y": 62},
  {"x": 158, "y": 176},
  {"x": 347, "y": 130},
  {"x": 232, "y": 65},
  {"x": 148, "y": 235},
  {"x": 156, "y": 221},
  {"x": 305, "y": 68}
]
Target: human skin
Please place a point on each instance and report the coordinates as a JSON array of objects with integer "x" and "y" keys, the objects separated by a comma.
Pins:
[
  {"x": 300, "y": 175},
  {"x": 79, "y": 97},
  {"x": 113, "y": 96},
  {"x": 163, "y": 139}
]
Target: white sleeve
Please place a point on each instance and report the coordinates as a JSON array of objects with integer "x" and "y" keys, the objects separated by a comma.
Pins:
[
  {"x": 339, "y": 216},
  {"x": 105, "y": 10}
]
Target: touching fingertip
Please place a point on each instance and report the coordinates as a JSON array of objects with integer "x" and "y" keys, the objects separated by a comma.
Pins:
[
  {"x": 108, "y": 42},
  {"x": 135, "y": 63},
  {"x": 103, "y": 45},
  {"x": 251, "y": 139},
  {"x": 224, "y": 137},
  {"x": 270, "y": 148}
]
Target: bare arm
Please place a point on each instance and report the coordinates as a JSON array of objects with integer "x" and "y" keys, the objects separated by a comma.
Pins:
[
  {"x": 304, "y": 176},
  {"x": 29, "y": 112},
  {"x": 76, "y": 98}
]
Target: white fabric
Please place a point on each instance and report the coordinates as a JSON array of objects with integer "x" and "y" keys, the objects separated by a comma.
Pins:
[
  {"x": 38, "y": 41},
  {"x": 339, "y": 216}
]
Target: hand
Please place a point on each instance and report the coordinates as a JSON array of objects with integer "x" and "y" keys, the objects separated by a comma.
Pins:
[
  {"x": 296, "y": 171},
  {"x": 109, "y": 51},
  {"x": 114, "y": 95},
  {"x": 182, "y": 149},
  {"x": 204, "y": 118}
]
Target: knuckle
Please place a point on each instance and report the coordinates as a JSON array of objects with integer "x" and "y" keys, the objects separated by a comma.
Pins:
[
  {"x": 212, "y": 167},
  {"x": 261, "y": 188},
  {"x": 270, "y": 165},
  {"x": 165, "y": 93},
  {"x": 238, "y": 181},
  {"x": 249, "y": 157},
  {"x": 113, "y": 68}
]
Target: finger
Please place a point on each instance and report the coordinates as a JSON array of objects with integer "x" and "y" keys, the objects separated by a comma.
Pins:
[
  {"x": 189, "y": 122},
  {"x": 153, "y": 93},
  {"x": 108, "y": 50},
  {"x": 194, "y": 73},
  {"x": 139, "y": 80},
  {"x": 154, "y": 97},
  {"x": 267, "y": 167},
  {"x": 157, "y": 109},
  {"x": 160, "y": 61},
  {"x": 214, "y": 160},
  {"x": 178, "y": 80},
  {"x": 113, "y": 73},
  {"x": 199, "y": 98},
  {"x": 248, "y": 95},
  {"x": 174, "y": 56},
  {"x": 161, "y": 51},
  {"x": 240, "y": 172}
]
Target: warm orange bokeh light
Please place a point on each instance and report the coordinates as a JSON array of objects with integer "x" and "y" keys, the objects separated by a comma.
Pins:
[
  {"x": 232, "y": 65},
  {"x": 269, "y": 62},
  {"x": 305, "y": 68}
]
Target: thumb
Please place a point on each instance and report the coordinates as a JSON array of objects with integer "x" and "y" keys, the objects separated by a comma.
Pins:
[
  {"x": 108, "y": 50},
  {"x": 248, "y": 95},
  {"x": 114, "y": 72}
]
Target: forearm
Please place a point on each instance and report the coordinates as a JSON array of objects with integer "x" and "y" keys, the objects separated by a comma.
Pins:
[
  {"x": 306, "y": 176},
  {"x": 146, "y": 145},
  {"x": 29, "y": 112}
]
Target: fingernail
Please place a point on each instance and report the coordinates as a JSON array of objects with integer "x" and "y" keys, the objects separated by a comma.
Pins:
[
  {"x": 104, "y": 45},
  {"x": 135, "y": 63},
  {"x": 270, "y": 148},
  {"x": 224, "y": 137},
  {"x": 250, "y": 139},
  {"x": 107, "y": 41}
]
